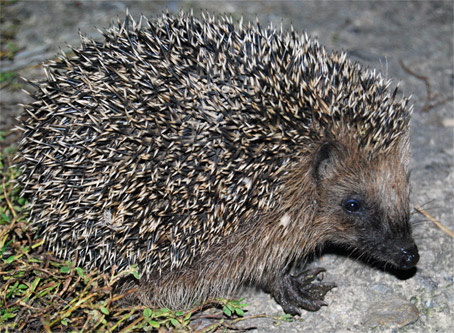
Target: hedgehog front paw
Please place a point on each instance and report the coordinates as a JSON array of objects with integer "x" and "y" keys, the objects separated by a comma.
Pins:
[{"x": 302, "y": 291}]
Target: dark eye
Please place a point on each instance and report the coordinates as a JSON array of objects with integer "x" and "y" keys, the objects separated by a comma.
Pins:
[{"x": 352, "y": 205}]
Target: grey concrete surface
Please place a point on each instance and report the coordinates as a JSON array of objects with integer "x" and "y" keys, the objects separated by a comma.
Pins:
[{"x": 380, "y": 34}]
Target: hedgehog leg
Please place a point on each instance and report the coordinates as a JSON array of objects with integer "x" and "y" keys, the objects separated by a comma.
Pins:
[{"x": 304, "y": 290}]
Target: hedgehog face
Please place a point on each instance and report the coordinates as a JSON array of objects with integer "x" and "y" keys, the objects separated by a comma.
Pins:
[{"x": 367, "y": 202}]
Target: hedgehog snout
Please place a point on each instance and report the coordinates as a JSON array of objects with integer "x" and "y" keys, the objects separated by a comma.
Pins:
[{"x": 409, "y": 257}]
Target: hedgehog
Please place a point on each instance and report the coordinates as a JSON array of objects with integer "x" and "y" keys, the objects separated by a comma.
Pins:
[{"x": 212, "y": 154}]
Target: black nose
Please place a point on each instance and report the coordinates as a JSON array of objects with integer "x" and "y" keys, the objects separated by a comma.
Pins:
[{"x": 409, "y": 257}]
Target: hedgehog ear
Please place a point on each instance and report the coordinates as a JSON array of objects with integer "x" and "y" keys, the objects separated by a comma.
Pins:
[{"x": 324, "y": 159}]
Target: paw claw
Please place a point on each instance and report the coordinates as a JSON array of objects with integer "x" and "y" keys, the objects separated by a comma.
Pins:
[
  {"x": 311, "y": 274},
  {"x": 304, "y": 290}
]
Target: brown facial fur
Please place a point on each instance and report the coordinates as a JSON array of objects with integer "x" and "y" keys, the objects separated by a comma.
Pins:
[{"x": 381, "y": 228}]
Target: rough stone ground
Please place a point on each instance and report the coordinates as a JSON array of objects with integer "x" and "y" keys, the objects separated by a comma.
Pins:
[{"x": 378, "y": 34}]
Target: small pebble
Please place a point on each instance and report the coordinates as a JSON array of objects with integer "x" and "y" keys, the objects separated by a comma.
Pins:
[{"x": 392, "y": 311}]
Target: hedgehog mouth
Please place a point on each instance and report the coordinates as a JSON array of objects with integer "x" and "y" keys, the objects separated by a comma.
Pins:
[{"x": 401, "y": 257}]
